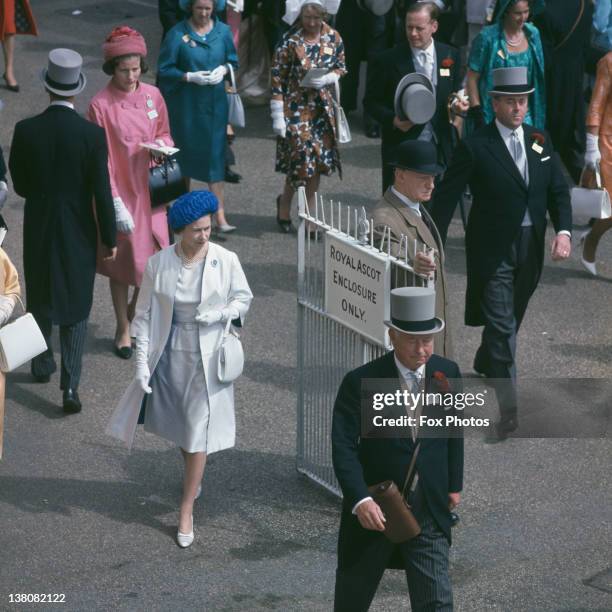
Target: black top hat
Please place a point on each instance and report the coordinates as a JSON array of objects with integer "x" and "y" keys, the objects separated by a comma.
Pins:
[
  {"x": 418, "y": 156},
  {"x": 510, "y": 82}
]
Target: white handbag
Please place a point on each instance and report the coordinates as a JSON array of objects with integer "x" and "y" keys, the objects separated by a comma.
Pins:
[
  {"x": 20, "y": 341},
  {"x": 235, "y": 108},
  {"x": 343, "y": 131},
  {"x": 590, "y": 203},
  {"x": 230, "y": 361}
]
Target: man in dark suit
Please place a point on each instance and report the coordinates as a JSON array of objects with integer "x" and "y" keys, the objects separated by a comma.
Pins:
[
  {"x": 515, "y": 179},
  {"x": 439, "y": 62},
  {"x": 58, "y": 163},
  {"x": 360, "y": 461}
]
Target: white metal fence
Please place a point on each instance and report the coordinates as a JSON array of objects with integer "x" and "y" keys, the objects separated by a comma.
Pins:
[{"x": 327, "y": 349}]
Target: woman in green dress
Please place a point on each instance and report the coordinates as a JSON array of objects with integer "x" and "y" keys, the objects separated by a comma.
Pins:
[{"x": 511, "y": 41}]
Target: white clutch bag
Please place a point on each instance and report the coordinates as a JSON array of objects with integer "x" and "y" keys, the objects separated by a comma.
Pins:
[
  {"x": 20, "y": 341},
  {"x": 590, "y": 203},
  {"x": 343, "y": 131},
  {"x": 230, "y": 361}
]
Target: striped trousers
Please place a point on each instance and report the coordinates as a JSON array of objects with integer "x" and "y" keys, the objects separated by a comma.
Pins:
[
  {"x": 426, "y": 565},
  {"x": 72, "y": 344}
]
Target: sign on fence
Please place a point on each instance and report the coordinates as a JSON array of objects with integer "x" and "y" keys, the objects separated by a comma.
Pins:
[{"x": 356, "y": 286}]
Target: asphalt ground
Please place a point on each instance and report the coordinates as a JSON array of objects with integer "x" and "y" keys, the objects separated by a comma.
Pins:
[{"x": 81, "y": 516}]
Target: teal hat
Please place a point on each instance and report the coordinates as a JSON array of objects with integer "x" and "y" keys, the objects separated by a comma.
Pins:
[{"x": 501, "y": 6}]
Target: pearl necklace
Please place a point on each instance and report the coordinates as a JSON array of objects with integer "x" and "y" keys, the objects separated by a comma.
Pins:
[
  {"x": 189, "y": 262},
  {"x": 517, "y": 41}
]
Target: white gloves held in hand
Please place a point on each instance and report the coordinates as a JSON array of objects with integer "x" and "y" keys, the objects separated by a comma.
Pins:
[
  {"x": 210, "y": 317},
  {"x": 7, "y": 305},
  {"x": 592, "y": 156},
  {"x": 327, "y": 79},
  {"x": 277, "y": 112},
  {"x": 125, "y": 222},
  {"x": 3, "y": 194},
  {"x": 141, "y": 357},
  {"x": 206, "y": 77}
]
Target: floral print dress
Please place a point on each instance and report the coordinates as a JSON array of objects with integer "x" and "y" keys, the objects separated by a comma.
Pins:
[{"x": 310, "y": 144}]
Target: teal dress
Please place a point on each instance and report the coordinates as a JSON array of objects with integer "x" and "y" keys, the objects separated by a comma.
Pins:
[
  {"x": 489, "y": 51},
  {"x": 198, "y": 113}
]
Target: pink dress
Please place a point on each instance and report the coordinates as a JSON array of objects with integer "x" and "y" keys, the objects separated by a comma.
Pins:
[{"x": 130, "y": 119}]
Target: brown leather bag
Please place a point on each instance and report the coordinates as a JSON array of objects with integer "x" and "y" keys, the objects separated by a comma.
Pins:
[{"x": 400, "y": 524}]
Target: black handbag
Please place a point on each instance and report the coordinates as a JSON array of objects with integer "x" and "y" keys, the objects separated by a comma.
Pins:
[{"x": 166, "y": 182}]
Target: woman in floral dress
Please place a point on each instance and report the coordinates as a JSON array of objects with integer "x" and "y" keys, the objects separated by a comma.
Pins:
[{"x": 303, "y": 117}]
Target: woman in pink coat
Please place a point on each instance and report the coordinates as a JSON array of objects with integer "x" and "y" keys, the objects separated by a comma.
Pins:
[{"x": 132, "y": 113}]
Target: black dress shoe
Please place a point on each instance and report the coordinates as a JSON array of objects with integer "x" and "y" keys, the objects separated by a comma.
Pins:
[
  {"x": 125, "y": 352},
  {"x": 285, "y": 225},
  {"x": 231, "y": 176},
  {"x": 43, "y": 378},
  {"x": 14, "y": 87},
  {"x": 71, "y": 401},
  {"x": 372, "y": 131},
  {"x": 504, "y": 427},
  {"x": 454, "y": 519}
]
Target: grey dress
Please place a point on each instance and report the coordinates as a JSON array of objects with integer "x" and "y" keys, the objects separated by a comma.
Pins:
[{"x": 178, "y": 409}]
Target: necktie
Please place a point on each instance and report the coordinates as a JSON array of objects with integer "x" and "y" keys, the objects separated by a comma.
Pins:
[
  {"x": 518, "y": 154},
  {"x": 426, "y": 64}
]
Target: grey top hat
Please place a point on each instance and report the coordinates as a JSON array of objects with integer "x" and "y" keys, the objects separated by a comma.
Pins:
[
  {"x": 415, "y": 99},
  {"x": 413, "y": 311},
  {"x": 63, "y": 75},
  {"x": 377, "y": 7},
  {"x": 510, "y": 82}
]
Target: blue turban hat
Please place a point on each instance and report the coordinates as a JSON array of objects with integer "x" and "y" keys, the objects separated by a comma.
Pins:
[{"x": 192, "y": 206}]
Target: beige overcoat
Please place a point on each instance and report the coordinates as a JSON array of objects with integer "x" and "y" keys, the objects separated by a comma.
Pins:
[{"x": 392, "y": 212}]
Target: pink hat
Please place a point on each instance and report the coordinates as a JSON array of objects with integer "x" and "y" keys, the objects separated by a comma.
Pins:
[{"x": 123, "y": 40}]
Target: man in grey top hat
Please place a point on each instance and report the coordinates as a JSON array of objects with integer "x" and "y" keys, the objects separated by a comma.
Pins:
[
  {"x": 58, "y": 163},
  {"x": 438, "y": 63},
  {"x": 361, "y": 461},
  {"x": 516, "y": 180}
]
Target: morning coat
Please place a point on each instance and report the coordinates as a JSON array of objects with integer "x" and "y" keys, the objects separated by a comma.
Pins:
[
  {"x": 361, "y": 462},
  {"x": 224, "y": 284},
  {"x": 500, "y": 198},
  {"x": 59, "y": 164}
]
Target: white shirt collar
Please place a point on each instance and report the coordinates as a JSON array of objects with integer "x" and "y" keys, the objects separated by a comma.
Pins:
[
  {"x": 62, "y": 103},
  {"x": 408, "y": 374},
  {"x": 506, "y": 132},
  {"x": 430, "y": 50},
  {"x": 415, "y": 206}
]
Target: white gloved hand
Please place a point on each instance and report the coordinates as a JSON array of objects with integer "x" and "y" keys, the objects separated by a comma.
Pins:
[
  {"x": 7, "y": 305},
  {"x": 202, "y": 77},
  {"x": 216, "y": 76},
  {"x": 592, "y": 156},
  {"x": 141, "y": 357},
  {"x": 3, "y": 193},
  {"x": 125, "y": 222},
  {"x": 277, "y": 112},
  {"x": 209, "y": 317},
  {"x": 327, "y": 79}
]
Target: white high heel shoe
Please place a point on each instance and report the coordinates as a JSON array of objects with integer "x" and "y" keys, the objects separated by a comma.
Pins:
[
  {"x": 185, "y": 540},
  {"x": 589, "y": 266},
  {"x": 198, "y": 492}
]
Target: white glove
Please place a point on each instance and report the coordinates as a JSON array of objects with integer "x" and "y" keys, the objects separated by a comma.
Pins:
[
  {"x": 3, "y": 193},
  {"x": 209, "y": 317},
  {"x": 7, "y": 305},
  {"x": 327, "y": 79},
  {"x": 125, "y": 222},
  {"x": 216, "y": 76},
  {"x": 277, "y": 112},
  {"x": 141, "y": 357},
  {"x": 592, "y": 156},
  {"x": 202, "y": 77}
]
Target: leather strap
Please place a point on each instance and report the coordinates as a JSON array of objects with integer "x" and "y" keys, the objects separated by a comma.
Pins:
[
  {"x": 568, "y": 35},
  {"x": 410, "y": 473}
]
